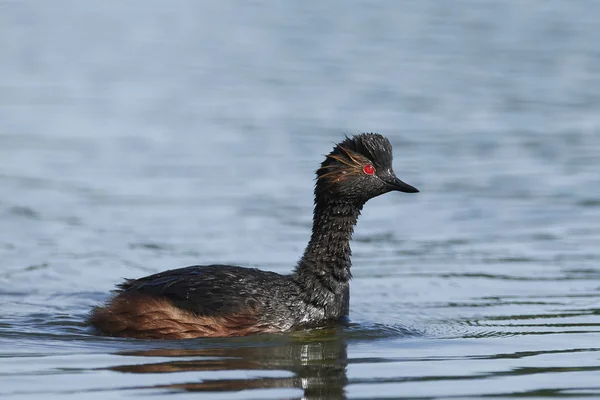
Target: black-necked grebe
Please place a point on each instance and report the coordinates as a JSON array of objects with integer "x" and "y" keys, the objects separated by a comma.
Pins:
[{"x": 226, "y": 300}]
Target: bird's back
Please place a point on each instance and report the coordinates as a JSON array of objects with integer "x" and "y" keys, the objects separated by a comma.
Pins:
[{"x": 210, "y": 289}]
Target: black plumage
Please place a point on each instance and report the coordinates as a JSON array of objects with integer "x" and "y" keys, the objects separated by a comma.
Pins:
[{"x": 316, "y": 293}]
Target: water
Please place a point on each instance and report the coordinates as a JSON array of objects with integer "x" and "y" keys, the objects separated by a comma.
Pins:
[{"x": 138, "y": 137}]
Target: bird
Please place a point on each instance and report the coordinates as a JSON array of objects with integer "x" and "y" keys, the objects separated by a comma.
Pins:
[{"x": 226, "y": 300}]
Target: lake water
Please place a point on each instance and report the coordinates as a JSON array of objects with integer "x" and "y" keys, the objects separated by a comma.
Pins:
[{"x": 142, "y": 136}]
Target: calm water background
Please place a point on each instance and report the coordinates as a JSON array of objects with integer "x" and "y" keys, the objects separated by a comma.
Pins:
[{"x": 151, "y": 135}]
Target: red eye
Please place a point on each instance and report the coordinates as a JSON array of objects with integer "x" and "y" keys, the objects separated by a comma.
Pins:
[{"x": 369, "y": 169}]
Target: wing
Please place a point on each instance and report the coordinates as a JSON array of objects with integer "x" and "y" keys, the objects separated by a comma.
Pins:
[{"x": 208, "y": 289}]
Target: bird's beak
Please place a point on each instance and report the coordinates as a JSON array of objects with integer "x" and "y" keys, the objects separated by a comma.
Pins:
[{"x": 396, "y": 184}]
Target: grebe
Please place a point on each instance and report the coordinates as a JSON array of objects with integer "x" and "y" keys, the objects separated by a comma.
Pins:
[{"x": 226, "y": 300}]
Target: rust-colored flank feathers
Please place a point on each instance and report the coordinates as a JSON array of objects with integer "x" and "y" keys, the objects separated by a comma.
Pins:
[{"x": 150, "y": 317}]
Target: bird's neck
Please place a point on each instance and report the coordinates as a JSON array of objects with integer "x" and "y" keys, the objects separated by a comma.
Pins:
[{"x": 324, "y": 268}]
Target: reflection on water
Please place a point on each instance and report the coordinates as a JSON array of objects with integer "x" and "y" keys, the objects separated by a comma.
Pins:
[{"x": 317, "y": 362}]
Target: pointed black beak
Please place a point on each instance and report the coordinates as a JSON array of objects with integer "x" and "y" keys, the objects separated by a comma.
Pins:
[{"x": 396, "y": 184}]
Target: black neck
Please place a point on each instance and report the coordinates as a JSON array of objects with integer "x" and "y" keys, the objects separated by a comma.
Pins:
[{"x": 325, "y": 265}]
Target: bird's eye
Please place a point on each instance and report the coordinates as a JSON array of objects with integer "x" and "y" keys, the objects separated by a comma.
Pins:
[{"x": 369, "y": 169}]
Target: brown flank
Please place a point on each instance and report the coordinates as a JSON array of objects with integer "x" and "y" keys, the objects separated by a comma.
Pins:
[{"x": 147, "y": 317}]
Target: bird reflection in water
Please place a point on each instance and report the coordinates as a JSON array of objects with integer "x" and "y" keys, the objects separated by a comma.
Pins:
[{"x": 317, "y": 359}]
